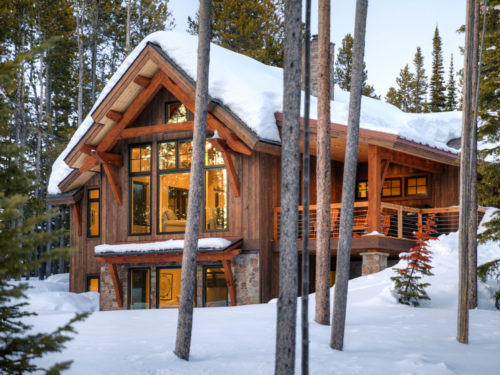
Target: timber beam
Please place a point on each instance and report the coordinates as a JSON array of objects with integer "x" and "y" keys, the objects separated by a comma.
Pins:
[
  {"x": 116, "y": 284},
  {"x": 114, "y": 115},
  {"x": 154, "y": 129},
  {"x": 220, "y": 145},
  {"x": 228, "y": 274},
  {"x": 412, "y": 161},
  {"x": 142, "y": 81}
]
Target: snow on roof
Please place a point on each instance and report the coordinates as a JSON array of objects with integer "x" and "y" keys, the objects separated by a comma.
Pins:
[
  {"x": 254, "y": 92},
  {"x": 212, "y": 243}
]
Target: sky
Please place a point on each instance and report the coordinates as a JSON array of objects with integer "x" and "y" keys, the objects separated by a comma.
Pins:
[{"x": 394, "y": 30}]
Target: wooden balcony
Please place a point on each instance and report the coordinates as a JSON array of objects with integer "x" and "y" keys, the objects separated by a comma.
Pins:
[{"x": 393, "y": 220}]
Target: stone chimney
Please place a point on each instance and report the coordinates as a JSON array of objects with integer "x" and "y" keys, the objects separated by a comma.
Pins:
[{"x": 314, "y": 66}]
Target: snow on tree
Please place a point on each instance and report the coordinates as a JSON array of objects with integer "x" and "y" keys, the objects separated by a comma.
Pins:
[{"x": 407, "y": 283}]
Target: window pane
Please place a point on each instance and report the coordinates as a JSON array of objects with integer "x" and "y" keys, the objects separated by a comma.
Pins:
[
  {"x": 212, "y": 156},
  {"x": 421, "y": 181},
  {"x": 169, "y": 287},
  {"x": 93, "y": 284},
  {"x": 141, "y": 205},
  {"x": 412, "y": 190},
  {"x": 422, "y": 190},
  {"x": 176, "y": 112},
  {"x": 215, "y": 200},
  {"x": 396, "y": 191},
  {"x": 185, "y": 154},
  {"x": 215, "y": 287},
  {"x": 362, "y": 189},
  {"x": 93, "y": 219},
  {"x": 166, "y": 155},
  {"x": 94, "y": 194},
  {"x": 396, "y": 183},
  {"x": 140, "y": 159},
  {"x": 139, "y": 289},
  {"x": 145, "y": 159},
  {"x": 173, "y": 196},
  {"x": 386, "y": 192}
]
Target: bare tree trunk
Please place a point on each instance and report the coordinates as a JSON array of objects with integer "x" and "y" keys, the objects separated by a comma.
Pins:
[
  {"x": 290, "y": 157},
  {"x": 79, "y": 27},
  {"x": 305, "y": 196},
  {"x": 127, "y": 32},
  {"x": 93, "y": 73},
  {"x": 463, "y": 312},
  {"x": 349, "y": 182},
  {"x": 472, "y": 227},
  {"x": 188, "y": 276},
  {"x": 323, "y": 168}
]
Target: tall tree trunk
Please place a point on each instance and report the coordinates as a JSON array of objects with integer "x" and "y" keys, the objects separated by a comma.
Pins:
[
  {"x": 79, "y": 27},
  {"x": 323, "y": 168},
  {"x": 349, "y": 182},
  {"x": 93, "y": 73},
  {"x": 465, "y": 162},
  {"x": 472, "y": 227},
  {"x": 188, "y": 276},
  {"x": 305, "y": 196},
  {"x": 127, "y": 30},
  {"x": 290, "y": 157}
]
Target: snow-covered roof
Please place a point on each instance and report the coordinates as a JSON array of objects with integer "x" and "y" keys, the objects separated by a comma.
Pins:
[
  {"x": 254, "y": 93},
  {"x": 212, "y": 243}
]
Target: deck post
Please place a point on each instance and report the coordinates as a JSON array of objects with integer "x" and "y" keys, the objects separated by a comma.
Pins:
[
  {"x": 228, "y": 273},
  {"x": 400, "y": 222},
  {"x": 374, "y": 188}
]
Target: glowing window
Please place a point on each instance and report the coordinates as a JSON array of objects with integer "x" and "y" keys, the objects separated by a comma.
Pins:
[
  {"x": 169, "y": 287},
  {"x": 416, "y": 185},
  {"x": 139, "y": 288},
  {"x": 93, "y": 284},
  {"x": 215, "y": 293},
  {"x": 93, "y": 213},
  {"x": 215, "y": 199},
  {"x": 140, "y": 159},
  {"x": 391, "y": 187},
  {"x": 176, "y": 112},
  {"x": 362, "y": 190}
]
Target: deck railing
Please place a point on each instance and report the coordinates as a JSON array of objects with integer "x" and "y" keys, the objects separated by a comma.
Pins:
[{"x": 396, "y": 221}]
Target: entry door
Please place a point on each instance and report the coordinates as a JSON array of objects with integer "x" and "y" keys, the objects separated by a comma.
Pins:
[
  {"x": 169, "y": 287},
  {"x": 139, "y": 289}
]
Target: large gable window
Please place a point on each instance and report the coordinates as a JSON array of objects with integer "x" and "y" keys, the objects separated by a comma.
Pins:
[
  {"x": 140, "y": 189},
  {"x": 174, "y": 162},
  {"x": 176, "y": 112}
]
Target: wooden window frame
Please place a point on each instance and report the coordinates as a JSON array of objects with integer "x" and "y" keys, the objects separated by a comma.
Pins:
[
  {"x": 89, "y": 200},
  {"x": 400, "y": 187},
  {"x": 426, "y": 186},
  {"x": 204, "y": 284},
  {"x": 129, "y": 282},
  {"x": 94, "y": 276},
  {"x": 130, "y": 190},
  {"x": 357, "y": 189},
  {"x": 177, "y": 170}
]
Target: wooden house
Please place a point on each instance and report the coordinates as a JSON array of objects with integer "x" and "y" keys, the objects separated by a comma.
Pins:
[{"x": 125, "y": 175}]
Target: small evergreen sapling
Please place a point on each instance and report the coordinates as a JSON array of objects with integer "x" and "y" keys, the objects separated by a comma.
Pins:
[{"x": 407, "y": 283}]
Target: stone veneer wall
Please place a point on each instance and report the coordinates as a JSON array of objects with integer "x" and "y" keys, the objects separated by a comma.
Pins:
[{"x": 245, "y": 269}]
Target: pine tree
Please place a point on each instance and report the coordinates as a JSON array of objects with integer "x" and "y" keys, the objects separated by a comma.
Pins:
[
  {"x": 343, "y": 69},
  {"x": 451, "y": 96},
  {"x": 437, "y": 89},
  {"x": 489, "y": 130},
  {"x": 402, "y": 96},
  {"x": 254, "y": 28},
  {"x": 419, "y": 84},
  {"x": 407, "y": 282}
]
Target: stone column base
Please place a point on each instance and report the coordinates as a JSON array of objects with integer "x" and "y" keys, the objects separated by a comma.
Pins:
[{"x": 373, "y": 262}]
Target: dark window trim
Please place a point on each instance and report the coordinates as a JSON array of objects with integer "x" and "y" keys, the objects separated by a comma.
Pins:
[
  {"x": 94, "y": 276},
  {"x": 400, "y": 187},
  {"x": 204, "y": 285},
  {"x": 134, "y": 174},
  {"x": 129, "y": 272},
  {"x": 357, "y": 189},
  {"x": 426, "y": 185},
  {"x": 98, "y": 200}
]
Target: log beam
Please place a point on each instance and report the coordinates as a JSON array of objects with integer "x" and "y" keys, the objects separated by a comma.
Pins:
[
  {"x": 113, "y": 182},
  {"x": 374, "y": 188},
  {"x": 90, "y": 163},
  {"x": 116, "y": 284},
  {"x": 102, "y": 157},
  {"x": 221, "y": 146},
  {"x": 114, "y": 115},
  {"x": 413, "y": 161},
  {"x": 228, "y": 274},
  {"x": 154, "y": 129},
  {"x": 142, "y": 81},
  {"x": 385, "y": 167},
  {"x": 168, "y": 257}
]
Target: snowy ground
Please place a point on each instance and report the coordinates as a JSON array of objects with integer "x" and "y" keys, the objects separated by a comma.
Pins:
[{"x": 382, "y": 337}]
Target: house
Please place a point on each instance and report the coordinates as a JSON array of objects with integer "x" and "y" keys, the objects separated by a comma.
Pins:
[{"x": 125, "y": 175}]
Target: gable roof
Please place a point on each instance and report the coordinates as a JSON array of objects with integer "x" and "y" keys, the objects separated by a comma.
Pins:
[{"x": 249, "y": 93}]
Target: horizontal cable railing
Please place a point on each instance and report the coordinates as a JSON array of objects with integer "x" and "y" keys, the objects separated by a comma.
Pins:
[{"x": 395, "y": 220}]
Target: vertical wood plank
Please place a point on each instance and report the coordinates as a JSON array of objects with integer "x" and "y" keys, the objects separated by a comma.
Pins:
[{"x": 374, "y": 188}]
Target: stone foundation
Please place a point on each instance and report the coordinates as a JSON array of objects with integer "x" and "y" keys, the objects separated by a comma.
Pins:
[
  {"x": 245, "y": 269},
  {"x": 373, "y": 262}
]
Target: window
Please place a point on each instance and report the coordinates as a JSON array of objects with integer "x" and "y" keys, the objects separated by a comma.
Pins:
[
  {"x": 176, "y": 112},
  {"x": 93, "y": 213},
  {"x": 416, "y": 185},
  {"x": 391, "y": 187},
  {"x": 215, "y": 287},
  {"x": 93, "y": 284},
  {"x": 168, "y": 287},
  {"x": 140, "y": 189},
  {"x": 362, "y": 190},
  {"x": 139, "y": 290},
  {"x": 174, "y": 163}
]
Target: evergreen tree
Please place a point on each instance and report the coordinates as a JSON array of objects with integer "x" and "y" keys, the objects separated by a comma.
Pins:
[
  {"x": 419, "y": 84},
  {"x": 489, "y": 130},
  {"x": 451, "y": 96},
  {"x": 343, "y": 69},
  {"x": 407, "y": 282},
  {"x": 20, "y": 236},
  {"x": 437, "y": 87},
  {"x": 402, "y": 97},
  {"x": 254, "y": 28}
]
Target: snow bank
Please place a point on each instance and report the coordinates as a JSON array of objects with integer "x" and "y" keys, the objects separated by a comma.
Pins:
[
  {"x": 254, "y": 92},
  {"x": 203, "y": 243}
]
